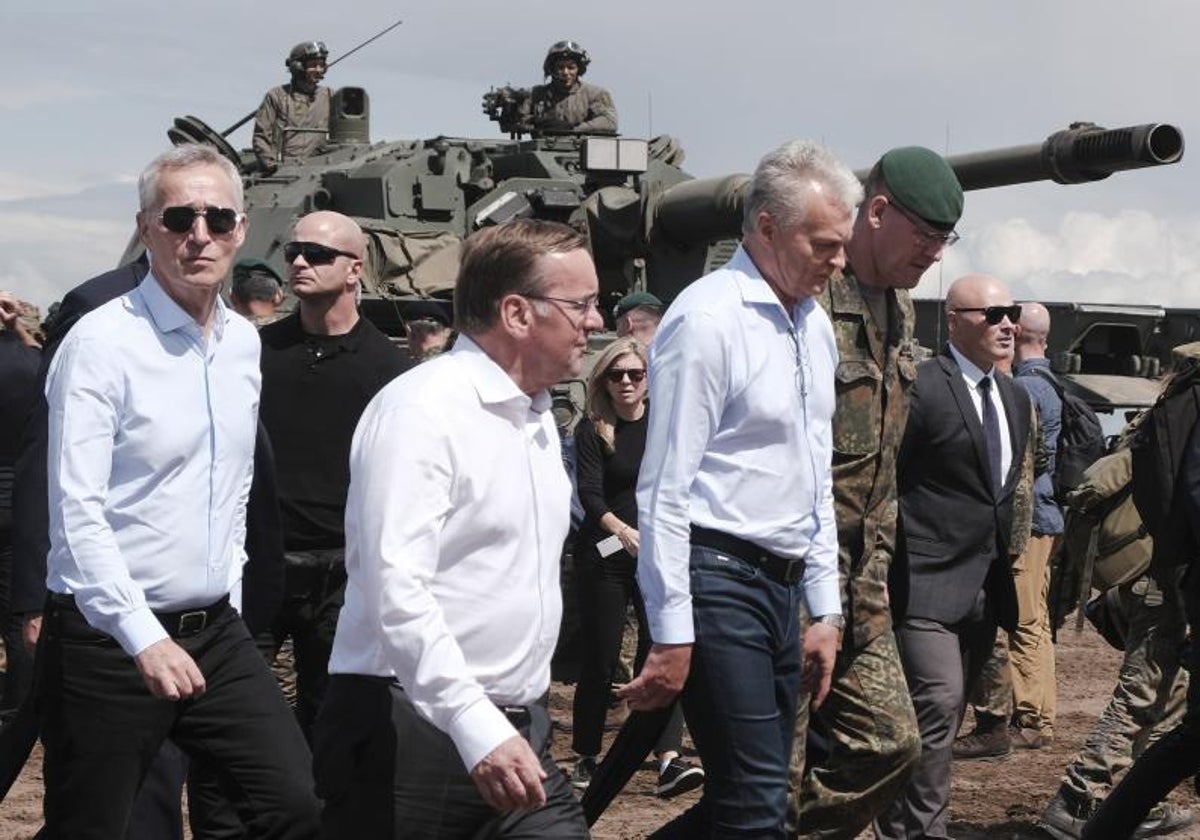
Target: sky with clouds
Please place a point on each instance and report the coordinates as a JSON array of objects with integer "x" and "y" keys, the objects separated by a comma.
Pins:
[{"x": 93, "y": 87}]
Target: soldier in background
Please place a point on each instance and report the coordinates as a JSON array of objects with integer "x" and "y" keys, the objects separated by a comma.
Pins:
[
  {"x": 255, "y": 291},
  {"x": 293, "y": 119},
  {"x": 904, "y": 225},
  {"x": 566, "y": 103},
  {"x": 637, "y": 314}
]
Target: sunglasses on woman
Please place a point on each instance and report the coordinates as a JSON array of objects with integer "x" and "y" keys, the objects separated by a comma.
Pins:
[{"x": 615, "y": 375}]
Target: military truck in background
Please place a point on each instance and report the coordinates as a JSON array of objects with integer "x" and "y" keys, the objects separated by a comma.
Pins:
[
  {"x": 651, "y": 225},
  {"x": 1110, "y": 355}
]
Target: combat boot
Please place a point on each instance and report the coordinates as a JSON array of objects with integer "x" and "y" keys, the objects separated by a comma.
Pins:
[
  {"x": 1065, "y": 816},
  {"x": 985, "y": 743}
]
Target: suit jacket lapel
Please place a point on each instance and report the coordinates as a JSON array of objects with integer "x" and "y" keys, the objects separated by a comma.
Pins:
[
  {"x": 1018, "y": 419},
  {"x": 966, "y": 406}
]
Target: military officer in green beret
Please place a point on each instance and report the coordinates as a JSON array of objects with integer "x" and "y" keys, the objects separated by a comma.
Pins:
[
  {"x": 913, "y": 201},
  {"x": 637, "y": 314},
  {"x": 255, "y": 290}
]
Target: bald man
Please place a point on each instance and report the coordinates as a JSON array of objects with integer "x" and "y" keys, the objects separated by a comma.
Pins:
[
  {"x": 321, "y": 365},
  {"x": 959, "y": 463},
  {"x": 1017, "y": 710}
]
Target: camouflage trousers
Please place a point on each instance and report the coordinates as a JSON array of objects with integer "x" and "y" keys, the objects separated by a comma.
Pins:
[
  {"x": 869, "y": 725},
  {"x": 1018, "y": 680},
  {"x": 1150, "y": 695}
]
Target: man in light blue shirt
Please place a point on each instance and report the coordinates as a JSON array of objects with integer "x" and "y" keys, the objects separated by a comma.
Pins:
[
  {"x": 153, "y": 402},
  {"x": 735, "y": 496}
]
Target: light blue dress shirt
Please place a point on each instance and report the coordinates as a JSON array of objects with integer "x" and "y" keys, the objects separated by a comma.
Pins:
[
  {"x": 739, "y": 439},
  {"x": 151, "y": 453}
]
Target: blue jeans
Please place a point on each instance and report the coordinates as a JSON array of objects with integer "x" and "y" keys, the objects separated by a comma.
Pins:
[{"x": 741, "y": 695}]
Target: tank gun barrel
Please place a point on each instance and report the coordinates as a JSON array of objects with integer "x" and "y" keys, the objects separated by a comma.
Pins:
[
  {"x": 701, "y": 211},
  {"x": 1084, "y": 152}
]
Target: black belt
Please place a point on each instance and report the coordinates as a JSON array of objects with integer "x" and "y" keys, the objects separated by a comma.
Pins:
[
  {"x": 786, "y": 570},
  {"x": 179, "y": 625}
]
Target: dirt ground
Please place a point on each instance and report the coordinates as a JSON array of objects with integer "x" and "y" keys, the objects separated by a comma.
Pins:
[{"x": 990, "y": 799}]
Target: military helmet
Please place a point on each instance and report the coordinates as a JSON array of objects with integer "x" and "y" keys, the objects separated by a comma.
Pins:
[
  {"x": 302, "y": 52},
  {"x": 565, "y": 49}
]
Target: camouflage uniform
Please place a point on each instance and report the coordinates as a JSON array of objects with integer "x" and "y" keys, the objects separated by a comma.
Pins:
[
  {"x": 282, "y": 111},
  {"x": 868, "y": 715},
  {"x": 1149, "y": 698},
  {"x": 583, "y": 108}
]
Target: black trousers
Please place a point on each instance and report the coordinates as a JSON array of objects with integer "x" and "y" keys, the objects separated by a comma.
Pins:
[
  {"x": 386, "y": 772},
  {"x": 605, "y": 587},
  {"x": 313, "y": 596},
  {"x": 1171, "y": 759},
  {"x": 18, "y": 672},
  {"x": 101, "y": 729}
]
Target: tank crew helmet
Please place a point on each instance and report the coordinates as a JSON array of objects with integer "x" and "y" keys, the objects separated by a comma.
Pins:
[
  {"x": 302, "y": 52},
  {"x": 565, "y": 49}
]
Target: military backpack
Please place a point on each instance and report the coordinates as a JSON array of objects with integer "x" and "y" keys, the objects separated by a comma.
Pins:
[{"x": 1080, "y": 439}]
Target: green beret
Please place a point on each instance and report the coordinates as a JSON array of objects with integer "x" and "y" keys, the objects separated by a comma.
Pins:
[
  {"x": 924, "y": 183},
  {"x": 635, "y": 299},
  {"x": 247, "y": 266}
]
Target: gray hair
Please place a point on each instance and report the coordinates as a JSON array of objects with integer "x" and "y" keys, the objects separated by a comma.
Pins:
[
  {"x": 782, "y": 183},
  {"x": 184, "y": 157}
]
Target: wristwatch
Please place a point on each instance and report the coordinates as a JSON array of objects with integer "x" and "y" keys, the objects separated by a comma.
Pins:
[{"x": 833, "y": 620}]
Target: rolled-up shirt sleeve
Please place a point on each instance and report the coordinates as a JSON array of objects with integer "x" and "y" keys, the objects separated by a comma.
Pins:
[
  {"x": 402, "y": 469},
  {"x": 689, "y": 375},
  {"x": 84, "y": 391}
]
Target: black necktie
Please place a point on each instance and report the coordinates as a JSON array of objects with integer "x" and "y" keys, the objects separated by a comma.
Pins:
[{"x": 991, "y": 432}]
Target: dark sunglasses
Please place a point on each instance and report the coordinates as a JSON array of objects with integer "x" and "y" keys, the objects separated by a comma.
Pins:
[
  {"x": 180, "y": 219},
  {"x": 615, "y": 375},
  {"x": 314, "y": 253},
  {"x": 995, "y": 314}
]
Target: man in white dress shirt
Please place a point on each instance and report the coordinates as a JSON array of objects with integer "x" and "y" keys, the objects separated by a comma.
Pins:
[
  {"x": 434, "y": 724},
  {"x": 735, "y": 495},
  {"x": 153, "y": 399}
]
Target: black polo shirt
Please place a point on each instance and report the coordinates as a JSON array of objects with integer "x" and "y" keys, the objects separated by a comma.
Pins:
[{"x": 314, "y": 389}]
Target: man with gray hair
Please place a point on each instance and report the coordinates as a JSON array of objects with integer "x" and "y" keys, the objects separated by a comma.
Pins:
[
  {"x": 153, "y": 399},
  {"x": 735, "y": 494}
]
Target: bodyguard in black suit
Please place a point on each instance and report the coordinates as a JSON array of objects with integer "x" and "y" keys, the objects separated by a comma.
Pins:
[{"x": 959, "y": 462}]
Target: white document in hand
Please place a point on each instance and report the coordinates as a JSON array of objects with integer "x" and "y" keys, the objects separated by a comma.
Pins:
[{"x": 609, "y": 546}]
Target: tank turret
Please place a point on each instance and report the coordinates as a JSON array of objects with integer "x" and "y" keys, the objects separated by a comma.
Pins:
[{"x": 650, "y": 223}]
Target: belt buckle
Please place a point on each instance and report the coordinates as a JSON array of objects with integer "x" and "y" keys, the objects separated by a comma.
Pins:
[{"x": 191, "y": 623}]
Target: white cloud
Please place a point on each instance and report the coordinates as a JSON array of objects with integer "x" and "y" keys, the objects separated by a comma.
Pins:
[{"x": 1130, "y": 257}]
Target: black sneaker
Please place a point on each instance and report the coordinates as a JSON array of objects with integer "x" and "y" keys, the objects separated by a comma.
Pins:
[
  {"x": 1164, "y": 818},
  {"x": 581, "y": 776},
  {"x": 678, "y": 777}
]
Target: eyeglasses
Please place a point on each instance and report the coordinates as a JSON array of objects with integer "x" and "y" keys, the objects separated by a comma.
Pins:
[
  {"x": 220, "y": 220},
  {"x": 314, "y": 253},
  {"x": 995, "y": 314},
  {"x": 583, "y": 307},
  {"x": 926, "y": 236},
  {"x": 615, "y": 375}
]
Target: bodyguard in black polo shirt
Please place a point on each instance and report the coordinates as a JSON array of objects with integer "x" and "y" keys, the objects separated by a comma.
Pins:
[{"x": 320, "y": 367}]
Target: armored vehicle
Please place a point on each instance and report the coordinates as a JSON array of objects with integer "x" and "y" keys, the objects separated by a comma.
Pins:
[{"x": 651, "y": 225}]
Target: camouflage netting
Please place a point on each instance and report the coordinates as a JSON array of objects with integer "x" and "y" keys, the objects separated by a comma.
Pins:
[{"x": 422, "y": 263}]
